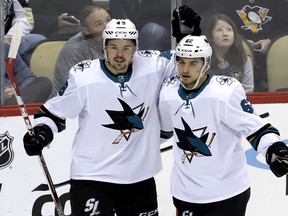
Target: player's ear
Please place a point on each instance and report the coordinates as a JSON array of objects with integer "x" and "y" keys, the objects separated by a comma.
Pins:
[{"x": 85, "y": 30}]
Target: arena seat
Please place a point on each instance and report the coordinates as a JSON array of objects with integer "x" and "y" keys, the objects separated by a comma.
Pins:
[
  {"x": 44, "y": 57},
  {"x": 277, "y": 64}
]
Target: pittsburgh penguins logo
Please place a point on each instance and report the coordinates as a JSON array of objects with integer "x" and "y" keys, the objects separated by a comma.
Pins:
[
  {"x": 6, "y": 151},
  {"x": 254, "y": 17}
]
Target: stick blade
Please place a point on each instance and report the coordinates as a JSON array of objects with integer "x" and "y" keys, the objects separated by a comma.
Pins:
[{"x": 16, "y": 39}]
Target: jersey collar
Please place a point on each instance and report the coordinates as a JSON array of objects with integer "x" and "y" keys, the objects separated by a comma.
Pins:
[
  {"x": 191, "y": 94},
  {"x": 121, "y": 78}
]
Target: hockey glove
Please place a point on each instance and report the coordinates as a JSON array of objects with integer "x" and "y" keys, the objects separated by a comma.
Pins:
[
  {"x": 34, "y": 144},
  {"x": 184, "y": 22},
  {"x": 277, "y": 158}
]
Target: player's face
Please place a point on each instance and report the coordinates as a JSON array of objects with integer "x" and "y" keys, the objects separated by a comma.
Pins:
[
  {"x": 96, "y": 23},
  {"x": 189, "y": 70},
  {"x": 119, "y": 55},
  {"x": 222, "y": 35}
]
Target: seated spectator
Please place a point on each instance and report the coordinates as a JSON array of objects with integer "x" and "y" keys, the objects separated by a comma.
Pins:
[
  {"x": 28, "y": 11},
  {"x": 260, "y": 22},
  {"x": 49, "y": 17},
  {"x": 32, "y": 89},
  {"x": 229, "y": 57},
  {"x": 86, "y": 45},
  {"x": 13, "y": 13}
]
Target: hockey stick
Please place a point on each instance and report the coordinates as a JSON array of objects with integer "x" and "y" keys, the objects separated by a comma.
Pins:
[
  {"x": 15, "y": 42},
  {"x": 263, "y": 115},
  {"x": 286, "y": 184},
  {"x": 45, "y": 187}
]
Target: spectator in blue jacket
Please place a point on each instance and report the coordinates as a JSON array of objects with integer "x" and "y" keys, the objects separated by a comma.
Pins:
[{"x": 33, "y": 89}]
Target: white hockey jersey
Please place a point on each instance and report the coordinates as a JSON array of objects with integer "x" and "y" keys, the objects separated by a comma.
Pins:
[
  {"x": 209, "y": 125},
  {"x": 118, "y": 139}
]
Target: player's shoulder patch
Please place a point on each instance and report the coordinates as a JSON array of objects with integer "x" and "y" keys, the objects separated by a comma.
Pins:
[
  {"x": 226, "y": 81},
  {"x": 225, "y": 86},
  {"x": 166, "y": 54},
  {"x": 171, "y": 80},
  {"x": 81, "y": 66},
  {"x": 147, "y": 53}
]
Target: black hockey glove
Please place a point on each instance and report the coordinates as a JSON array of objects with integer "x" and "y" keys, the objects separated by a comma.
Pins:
[
  {"x": 277, "y": 158},
  {"x": 34, "y": 144},
  {"x": 184, "y": 22}
]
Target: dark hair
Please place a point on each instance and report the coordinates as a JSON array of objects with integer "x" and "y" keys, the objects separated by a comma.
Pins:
[
  {"x": 178, "y": 58},
  {"x": 236, "y": 54},
  {"x": 107, "y": 40},
  {"x": 86, "y": 11}
]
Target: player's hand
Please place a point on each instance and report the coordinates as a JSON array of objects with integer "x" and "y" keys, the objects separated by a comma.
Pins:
[
  {"x": 34, "y": 144},
  {"x": 9, "y": 92},
  {"x": 184, "y": 22},
  {"x": 277, "y": 158}
]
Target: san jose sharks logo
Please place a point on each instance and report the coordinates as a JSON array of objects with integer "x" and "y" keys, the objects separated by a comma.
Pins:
[
  {"x": 172, "y": 79},
  {"x": 191, "y": 144},
  {"x": 82, "y": 65},
  {"x": 225, "y": 80},
  {"x": 147, "y": 53},
  {"x": 253, "y": 17},
  {"x": 6, "y": 151},
  {"x": 127, "y": 121}
]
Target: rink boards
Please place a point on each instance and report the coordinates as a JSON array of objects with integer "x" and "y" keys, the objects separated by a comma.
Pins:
[{"x": 21, "y": 178}]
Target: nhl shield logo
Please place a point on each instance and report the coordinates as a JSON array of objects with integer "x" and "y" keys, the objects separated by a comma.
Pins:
[{"x": 6, "y": 151}]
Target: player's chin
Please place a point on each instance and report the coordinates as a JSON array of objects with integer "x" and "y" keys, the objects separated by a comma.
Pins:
[
  {"x": 189, "y": 83},
  {"x": 187, "y": 80}
]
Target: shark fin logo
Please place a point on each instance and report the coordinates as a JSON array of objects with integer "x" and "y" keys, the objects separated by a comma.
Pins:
[
  {"x": 191, "y": 144},
  {"x": 6, "y": 151},
  {"x": 127, "y": 121}
]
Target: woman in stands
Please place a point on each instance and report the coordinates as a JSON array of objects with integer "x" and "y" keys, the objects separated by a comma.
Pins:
[{"x": 229, "y": 57}]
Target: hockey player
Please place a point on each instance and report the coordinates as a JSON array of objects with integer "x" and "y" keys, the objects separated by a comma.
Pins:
[
  {"x": 209, "y": 116},
  {"x": 116, "y": 151}
]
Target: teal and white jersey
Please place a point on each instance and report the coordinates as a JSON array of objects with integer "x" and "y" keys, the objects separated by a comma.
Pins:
[
  {"x": 209, "y": 125},
  {"x": 118, "y": 139}
]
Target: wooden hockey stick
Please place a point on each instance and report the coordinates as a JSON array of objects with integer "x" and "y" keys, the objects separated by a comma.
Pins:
[{"x": 14, "y": 46}]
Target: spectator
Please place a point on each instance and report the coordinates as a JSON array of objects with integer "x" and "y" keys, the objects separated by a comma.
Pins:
[
  {"x": 32, "y": 89},
  {"x": 28, "y": 12},
  {"x": 86, "y": 45},
  {"x": 210, "y": 116},
  {"x": 259, "y": 22},
  {"x": 49, "y": 17},
  {"x": 116, "y": 150},
  {"x": 229, "y": 57},
  {"x": 13, "y": 13}
]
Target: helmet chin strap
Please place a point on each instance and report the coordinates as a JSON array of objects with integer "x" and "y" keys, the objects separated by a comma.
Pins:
[{"x": 203, "y": 70}]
